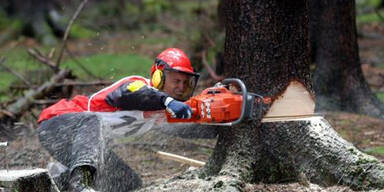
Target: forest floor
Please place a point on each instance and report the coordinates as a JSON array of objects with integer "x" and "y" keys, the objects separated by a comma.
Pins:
[{"x": 366, "y": 133}]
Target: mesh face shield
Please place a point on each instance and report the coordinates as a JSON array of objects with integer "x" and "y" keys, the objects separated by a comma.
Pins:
[{"x": 189, "y": 84}]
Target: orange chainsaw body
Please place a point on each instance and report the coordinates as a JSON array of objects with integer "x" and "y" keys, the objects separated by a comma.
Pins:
[{"x": 213, "y": 105}]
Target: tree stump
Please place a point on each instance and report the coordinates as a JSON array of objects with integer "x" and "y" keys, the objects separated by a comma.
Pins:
[{"x": 32, "y": 180}]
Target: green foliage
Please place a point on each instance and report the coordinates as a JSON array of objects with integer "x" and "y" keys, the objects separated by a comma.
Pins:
[
  {"x": 111, "y": 66},
  {"x": 4, "y": 20},
  {"x": 156, "y": 7},
  {"x": 369, "y": 17},
  {"x": 367, "y": 3},
  {"x": 78, "y": 31},
  {"x": 7, "y": 23}
]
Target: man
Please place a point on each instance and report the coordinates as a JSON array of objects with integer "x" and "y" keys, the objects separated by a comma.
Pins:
[{"x": 70, "y": 130}]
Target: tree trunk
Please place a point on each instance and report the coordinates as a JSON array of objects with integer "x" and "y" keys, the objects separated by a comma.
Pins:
[
  {"x": 339, "y": 82},
  {"x": 267, "y": 46}
]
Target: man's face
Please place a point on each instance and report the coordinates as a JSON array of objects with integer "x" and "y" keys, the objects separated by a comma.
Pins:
[{"x": 176, "y": 84}]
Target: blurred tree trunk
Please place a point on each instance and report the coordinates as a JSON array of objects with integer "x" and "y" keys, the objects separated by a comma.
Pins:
[
  {"x": 39, "y": 18},
  {"x": 338, "y": 80}
]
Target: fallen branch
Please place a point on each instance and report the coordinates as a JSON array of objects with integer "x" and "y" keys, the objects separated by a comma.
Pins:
[
  {"x": 81, "y": 6},
  {"x": 18, "y": 75},
  {"x": 22, "y": 104},
  {"x": 7, "y": 113},
  {"x": 37, "y": 55},
  {"x": 180, "y": 159}
]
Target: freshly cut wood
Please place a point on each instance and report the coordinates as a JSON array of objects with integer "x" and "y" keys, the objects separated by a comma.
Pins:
[
  {"x": 290, "y": 118},
  {"x": 296, "y": 101}
]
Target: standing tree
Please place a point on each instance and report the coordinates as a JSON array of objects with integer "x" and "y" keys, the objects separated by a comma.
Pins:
[
  {"x": 267, "y": 47},
  {"x": 338, "y": 81},
  {"x": 38, "y": 18}
]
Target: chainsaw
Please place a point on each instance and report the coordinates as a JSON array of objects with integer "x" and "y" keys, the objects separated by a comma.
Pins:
[{"x": 221, "y": 105}]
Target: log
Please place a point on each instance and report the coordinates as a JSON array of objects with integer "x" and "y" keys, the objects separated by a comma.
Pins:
[
  {"x": 34, "y": 180},
  {"x": 23, "y": 103}
]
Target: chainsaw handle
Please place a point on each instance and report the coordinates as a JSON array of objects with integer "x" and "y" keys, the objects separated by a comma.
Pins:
[{"x": 244, "y": 94}]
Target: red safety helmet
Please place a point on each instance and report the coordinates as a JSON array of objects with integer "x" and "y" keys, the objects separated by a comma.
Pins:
[{"x": 176, "y": 60}]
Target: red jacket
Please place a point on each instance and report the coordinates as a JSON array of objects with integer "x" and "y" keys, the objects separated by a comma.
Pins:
[{"x": 130, "y": 93}]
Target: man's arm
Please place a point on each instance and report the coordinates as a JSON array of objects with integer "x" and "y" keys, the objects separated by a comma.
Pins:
[{"x": 137, "y": 95}]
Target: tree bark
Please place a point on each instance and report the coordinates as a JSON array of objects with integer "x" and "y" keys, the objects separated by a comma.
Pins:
[
  {"x": 338, "y": 79},
  {"x": 267, "y": 46}
]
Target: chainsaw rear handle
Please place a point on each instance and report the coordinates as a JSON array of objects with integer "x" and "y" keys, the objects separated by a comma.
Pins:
[{"x": 244, "y": 94}]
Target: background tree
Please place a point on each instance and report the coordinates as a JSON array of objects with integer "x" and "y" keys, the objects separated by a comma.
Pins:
[
  {"x": 38, "y": 18},
  {"x": 267, "y": 46},
  {"x": 338, "y": 80}
]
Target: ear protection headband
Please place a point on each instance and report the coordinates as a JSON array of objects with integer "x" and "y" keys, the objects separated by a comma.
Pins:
[{"x": 158, "y": 77}]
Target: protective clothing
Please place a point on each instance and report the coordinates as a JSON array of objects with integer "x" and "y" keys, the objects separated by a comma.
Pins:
[
  {"x": 175, "y": 60},
  {"x": 178, "y": 109},
  {"x": 130, "y": 93}
]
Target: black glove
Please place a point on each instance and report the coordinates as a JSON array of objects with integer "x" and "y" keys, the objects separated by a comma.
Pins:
[{"x": 178, "y": 109}]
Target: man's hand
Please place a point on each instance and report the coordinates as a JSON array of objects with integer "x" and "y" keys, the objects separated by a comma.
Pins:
[{"x": 178, "y": 109}]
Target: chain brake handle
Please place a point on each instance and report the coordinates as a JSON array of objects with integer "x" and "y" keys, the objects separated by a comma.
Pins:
[{"x": 244, "y": 93}]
